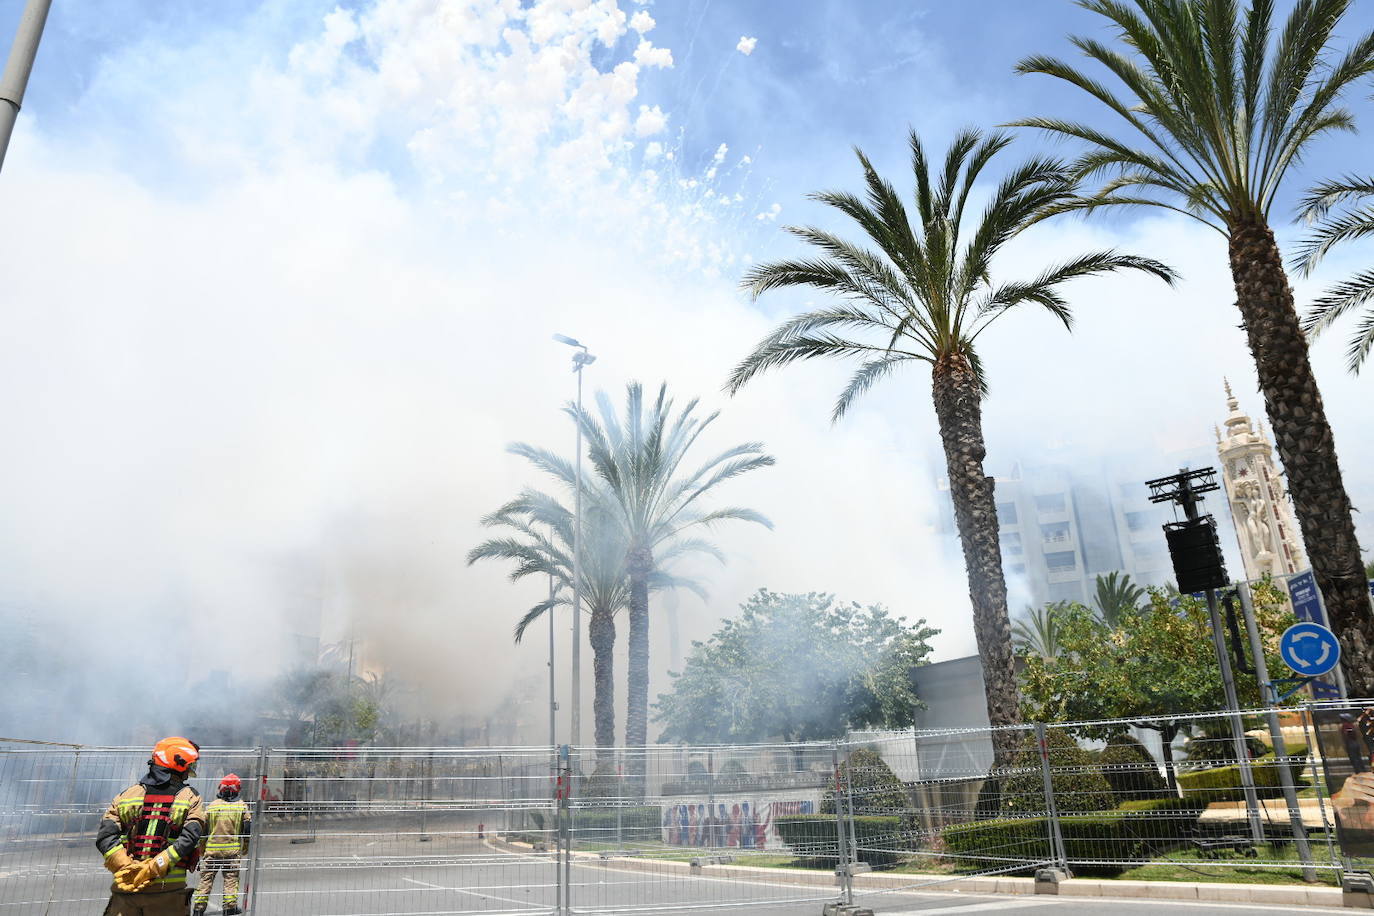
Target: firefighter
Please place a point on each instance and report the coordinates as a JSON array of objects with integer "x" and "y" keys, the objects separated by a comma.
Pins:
[
  {"x": 224, "y": 845},
  {"x": 150, "y": 834}
]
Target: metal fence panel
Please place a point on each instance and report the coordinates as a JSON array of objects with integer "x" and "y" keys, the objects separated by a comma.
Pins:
[{"x": 670, "y": 828}]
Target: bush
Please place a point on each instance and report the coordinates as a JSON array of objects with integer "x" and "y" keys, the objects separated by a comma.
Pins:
[
  {"x": 598, "y": 825},
  {"x": 1223, "y": 783},
  {"x": 1136, "y": 832},
  {"x": 1205, "y": 751},
  {"x": 812, "y": 839},
  {"x": 1130, "y": 770},
  {"x": 1077, "y": 782},
  {"x": 875, "y": 788}
]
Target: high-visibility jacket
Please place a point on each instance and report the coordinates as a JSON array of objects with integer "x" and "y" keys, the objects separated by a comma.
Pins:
[
  {"x": 146, "y": 819},
  {"x": 229, "y": 826}
]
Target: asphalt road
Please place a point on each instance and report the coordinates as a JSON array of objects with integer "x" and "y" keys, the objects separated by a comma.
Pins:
[{"x": 355, "y": 873}]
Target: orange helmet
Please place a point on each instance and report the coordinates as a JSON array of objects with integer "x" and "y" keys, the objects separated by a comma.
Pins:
[{"x": 176, "y": 754}]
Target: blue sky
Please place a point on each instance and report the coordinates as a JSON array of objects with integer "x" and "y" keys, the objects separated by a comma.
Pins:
[{"x": 284, "y": 273}]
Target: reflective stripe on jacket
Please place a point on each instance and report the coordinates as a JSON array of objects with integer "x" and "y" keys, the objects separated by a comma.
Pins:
[
  {"x": 229, "y": 827},
  {"x": 152, "y": 821}
]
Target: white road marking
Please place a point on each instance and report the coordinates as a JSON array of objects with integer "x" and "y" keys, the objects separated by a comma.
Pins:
[{"x": 440, "y": 887}]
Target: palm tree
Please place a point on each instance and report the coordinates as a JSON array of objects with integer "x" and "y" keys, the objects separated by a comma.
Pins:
[
  {"x": 1216, "y": 116},
  {"x": 540, "y": 544},
  {"x": 1344, "y": 298},
  {"x": 925, "y": 295},
  {"x": 656, "y": 501},
  {"x": 1116, "y": 596},
  {"x": 1038, "y": 631}
]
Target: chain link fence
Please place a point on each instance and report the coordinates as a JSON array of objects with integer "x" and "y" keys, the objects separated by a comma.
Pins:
[{"x": 371, "y": 831}]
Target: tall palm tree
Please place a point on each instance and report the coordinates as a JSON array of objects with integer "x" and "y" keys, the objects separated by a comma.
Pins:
[
  {"x": 1216, "y": 114},
  {"x": 925, "y": 295},
  {"x": 1116, "y": 596},
  {"x": 1038, "y": 631},
  {"x": 1354, "y": 223},
  {"x": 656, "y": 499},
  {"x": 540, "y": 544}
]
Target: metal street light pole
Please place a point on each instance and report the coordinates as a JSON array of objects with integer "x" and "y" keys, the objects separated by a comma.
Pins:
[
  {"x": 580, "y": 361},
  {"x": 17, "y": 69},
  {"x": 553, "y": 698}
]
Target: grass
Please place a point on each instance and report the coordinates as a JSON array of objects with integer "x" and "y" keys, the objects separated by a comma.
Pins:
[{"x": 1229, "y": 868}]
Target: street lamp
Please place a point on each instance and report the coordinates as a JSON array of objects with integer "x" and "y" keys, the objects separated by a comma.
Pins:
[
  {"x": 20, "y": 63},
  {"x": 581, "y": 360}
]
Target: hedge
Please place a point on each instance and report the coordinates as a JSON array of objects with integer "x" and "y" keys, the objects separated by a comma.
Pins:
[
  {"x": 811, "y": 837},
  {"x": 598, "y": 825},
  {"x": 1077, "y": 783},
  {"x": 1130, "y": 770},
  {"x": 1137, "y": 831},
  {"x": 1223, "y": 783}
]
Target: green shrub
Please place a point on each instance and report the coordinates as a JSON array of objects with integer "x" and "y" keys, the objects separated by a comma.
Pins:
[
  {"x": 1135, "y": 832},
  {"x": 875, "y": 788},
  {"x": 598, "y": 825},
  {"x": 1223, "y": 783},
  {"x": 1203, "y": 750},
  {"x": 812, "y": 839},
  {"x": 1077, "y": 782},
  {"x": 1130, "y": 770}
]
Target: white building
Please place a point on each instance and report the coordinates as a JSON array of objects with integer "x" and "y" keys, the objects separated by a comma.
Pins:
[{"x": 1266, "y": 531}]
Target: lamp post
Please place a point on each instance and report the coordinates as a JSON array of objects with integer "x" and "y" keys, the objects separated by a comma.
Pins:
[
  {"x": 16, "y": 76},
  {"x": 581, "y": 360}
]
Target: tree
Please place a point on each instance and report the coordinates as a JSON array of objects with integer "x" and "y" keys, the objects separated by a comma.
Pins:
[
  {"x": 540, "y": 544},
  {"x": 925, "y": 295},
  {"x": 657, "y": 501},
  {"x": 1038, "y": 631},
  {"x": 1157, "y": 662},
  {"x": 1217, "y": 115},
  {"x": 1116, "y": 595},
  {"x": 1344, "y": 298},
  {"x": 799, "y": 668}
]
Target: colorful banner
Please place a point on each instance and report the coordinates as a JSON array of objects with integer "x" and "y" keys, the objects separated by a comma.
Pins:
[{"x": 729, "y": 822}]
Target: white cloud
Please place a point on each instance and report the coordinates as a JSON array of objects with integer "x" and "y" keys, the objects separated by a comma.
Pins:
[
  {"x": 746, "y": 45},
  {"x": 653, "y": 151},
  {"x": 647, "y": 55},
  {"x": 651, "y": 121},
  {"x": 642, "y": 22}
]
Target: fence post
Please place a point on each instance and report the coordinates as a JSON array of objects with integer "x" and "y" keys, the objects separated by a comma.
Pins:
[
  {"x": 1061, "y": 859},
  {"x": 1309, "y": 734},
  {"x": 841, "y": 832},
  {"x": 564, "y": 860},
  {"x": 255, "y": 831},
  {"x": 1270, "y": 698}
]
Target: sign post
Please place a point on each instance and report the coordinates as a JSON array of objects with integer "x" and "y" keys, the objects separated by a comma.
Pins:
[{"x": 1308, "y": 606}]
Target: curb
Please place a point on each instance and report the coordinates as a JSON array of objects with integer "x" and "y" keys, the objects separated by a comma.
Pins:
[{"x": 1274, "y": 895}]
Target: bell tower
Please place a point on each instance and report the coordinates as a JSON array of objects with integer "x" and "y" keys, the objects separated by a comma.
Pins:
[{"x": 1265, "y": 527}]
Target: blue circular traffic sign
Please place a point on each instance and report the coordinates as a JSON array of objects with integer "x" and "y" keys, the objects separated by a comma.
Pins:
[{"x": 1310, "y": 649}]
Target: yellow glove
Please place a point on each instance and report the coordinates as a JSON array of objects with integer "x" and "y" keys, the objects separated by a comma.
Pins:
[
  {"x": 129, "y": 879},
  {"x": 133, "y": 878},
  {"x": 117, "y": 858}
]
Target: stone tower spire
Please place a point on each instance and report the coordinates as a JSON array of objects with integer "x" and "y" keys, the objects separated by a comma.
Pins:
[{"x": 1265, "y": 527}]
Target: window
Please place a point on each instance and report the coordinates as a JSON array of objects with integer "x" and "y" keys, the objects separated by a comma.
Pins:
[
  {"x": 1061, "y": 560},
  {"x": 1011, "y": 539},
  {"x": 1018, "y": 569},
  {"x": 1006, "y": 513},
  {"x": 1136, "y": 521},
  {"x": 1057, "y": 533},
  {"x": 1050, "y": 502},
  {"x": 1066, "y": 591}
]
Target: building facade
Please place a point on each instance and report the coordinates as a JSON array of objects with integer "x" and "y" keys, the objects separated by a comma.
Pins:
[{"x": 1266, "y": 531}]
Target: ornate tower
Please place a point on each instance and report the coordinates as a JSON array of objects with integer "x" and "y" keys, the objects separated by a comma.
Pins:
[{"x": 1265, "y": 527}]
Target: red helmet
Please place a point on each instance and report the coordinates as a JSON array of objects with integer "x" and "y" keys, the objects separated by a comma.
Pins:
[
  {"x": 231, "y": 783},
  {"x": 176, "y": 754}
]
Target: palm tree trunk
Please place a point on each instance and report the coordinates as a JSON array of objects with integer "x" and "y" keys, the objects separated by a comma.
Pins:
[
  {"x": 958, "y": 408},
  {"x": 601, "y": 633},
  {"x": 641, "y": 564},
  {"x": 1306, "y": 445}
]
